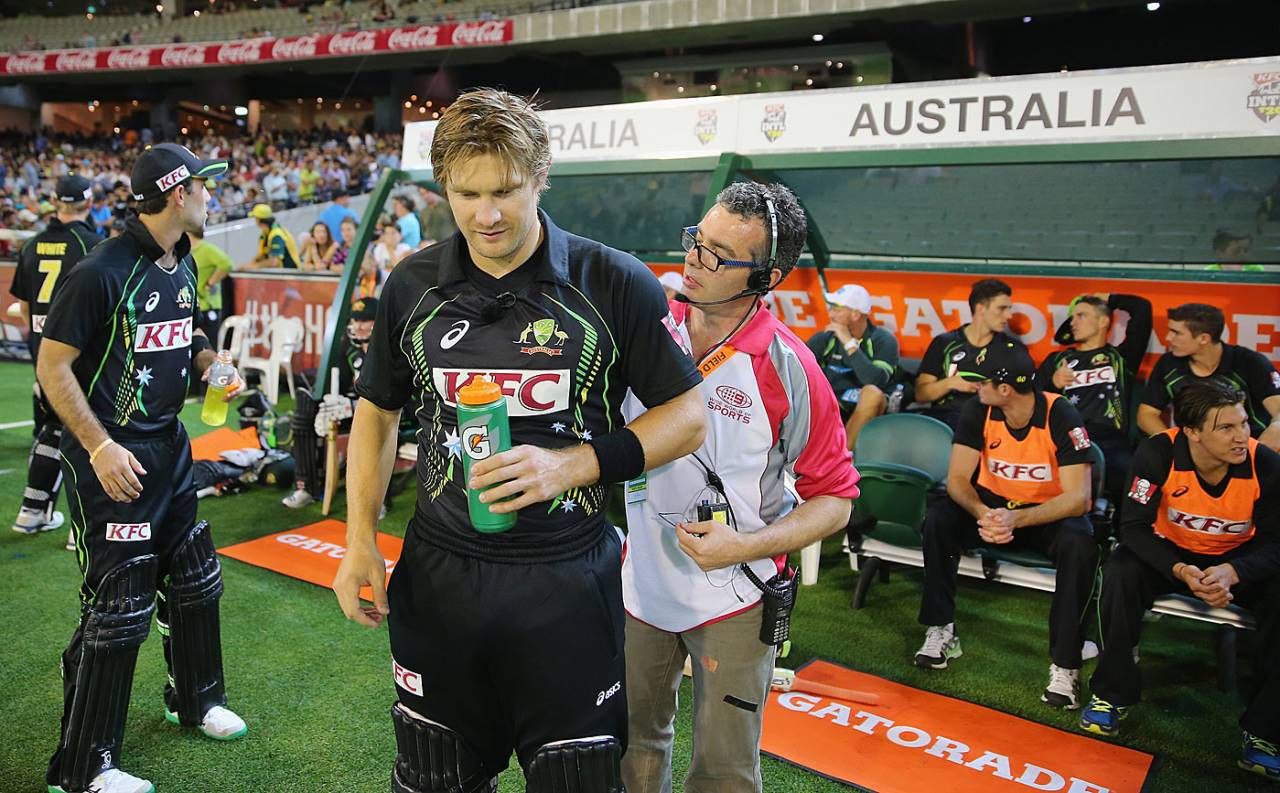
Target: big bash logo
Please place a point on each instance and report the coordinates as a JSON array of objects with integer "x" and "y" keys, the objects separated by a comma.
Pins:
[{"x": 1264, "y": 99}]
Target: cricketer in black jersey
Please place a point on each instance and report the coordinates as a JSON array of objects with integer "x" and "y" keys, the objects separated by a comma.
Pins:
[
  {"x": 133, "y": 322},
  {"x": 44, "y": 264},
  {"x": 564, "y": 336}
]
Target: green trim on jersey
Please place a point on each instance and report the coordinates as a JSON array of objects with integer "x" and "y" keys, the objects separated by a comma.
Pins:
[{"x": 112, "y": 324}]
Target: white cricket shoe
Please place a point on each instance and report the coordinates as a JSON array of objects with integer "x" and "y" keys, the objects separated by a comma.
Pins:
[
  {"x": 113, "y": 780},
  {"x": 219, "y": 723},
  {"x": 298, "y": 499},
  {"x": 32, "y": 521}
]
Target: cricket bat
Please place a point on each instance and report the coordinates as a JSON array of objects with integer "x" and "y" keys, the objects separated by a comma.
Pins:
[
  {"x": 331, "y": 452},
  {"x": 786, "y": 680}
]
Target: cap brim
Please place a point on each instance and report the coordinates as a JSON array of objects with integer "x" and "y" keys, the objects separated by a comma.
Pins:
[
  {"x": 1064, "y": 336},
  {"x": 211, "y": 169}
]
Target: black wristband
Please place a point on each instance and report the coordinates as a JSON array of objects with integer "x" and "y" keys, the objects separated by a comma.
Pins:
[
  {"x": 620, "y": 455},
  {"x": 199, "y": 343}
]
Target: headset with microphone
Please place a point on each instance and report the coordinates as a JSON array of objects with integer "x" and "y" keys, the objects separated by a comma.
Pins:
[{"x": 758, "y": 282}]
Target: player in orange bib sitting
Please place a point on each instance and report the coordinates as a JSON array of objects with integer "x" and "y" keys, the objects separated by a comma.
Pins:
[
  {"x": 1202, "y": 516},
  {"x": 1019, "y": 477}
]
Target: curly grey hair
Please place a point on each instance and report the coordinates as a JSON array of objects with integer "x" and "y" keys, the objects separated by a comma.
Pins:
[{"x": 746, "y": 200}]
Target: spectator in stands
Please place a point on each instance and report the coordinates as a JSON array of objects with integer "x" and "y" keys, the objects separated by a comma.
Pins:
[
  {"x": 1019, "y": 477},
  {"x": 319, "y": 249},
  {"x": 389, "y": 250},
  {"x": 212, "y": 266},
  {"x": 335, "y": 213},
  {"x": 276, "y": 187},
  {"x": 1231, "y": 252},
  {"x": 410, "y": 230},
  {"x": 858, "y": 357},
  {"x": 1196, "y": 353},
  {"x": 948, "y": 373},
  {"x": 348, "y": 239},
  {"x": 308, "y": 181},
  {"x": 435, "y": 217},
  {"x": 1202, "y": 518},
  {"x": 276, "y": 247},
  {"x": 1097, "y": 377},
  {"x": 672, "y": 285},
  {"x": 101, "y": 214}
]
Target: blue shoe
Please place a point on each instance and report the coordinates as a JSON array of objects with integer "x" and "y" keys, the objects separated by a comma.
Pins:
[
  {"x": 1102, "y": 717},
  {"x": 1260, "y": 757}
]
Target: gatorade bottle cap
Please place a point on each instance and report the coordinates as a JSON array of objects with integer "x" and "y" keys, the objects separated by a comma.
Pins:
[{"x": 480, "y": 391}]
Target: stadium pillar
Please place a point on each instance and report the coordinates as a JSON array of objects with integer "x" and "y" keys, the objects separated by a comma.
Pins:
[
  {"x": 19, "y": 107},
  {"x": 386, "y": 114},
  {"x": 164, "y": 119}
]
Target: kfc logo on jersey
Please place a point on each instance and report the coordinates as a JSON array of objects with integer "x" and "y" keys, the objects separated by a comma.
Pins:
[
  {"x": 128, "y": 532},
  {"x": 529, "y": 392},
  {"x": 1141, "y": 490},
  {"x": 1207, "y": 524},
  {"x": 1080, "y": 438},
  {"x": 1088, "y": 377},
  {"x": 159, "y": 336},
  {"x": 409, "y": 681},
  {"x": 37, "y": 323},
  {"x": 1020, "y": 472}
]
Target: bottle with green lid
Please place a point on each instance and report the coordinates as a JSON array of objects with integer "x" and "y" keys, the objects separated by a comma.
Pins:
[{"x": 485, "y": 430}]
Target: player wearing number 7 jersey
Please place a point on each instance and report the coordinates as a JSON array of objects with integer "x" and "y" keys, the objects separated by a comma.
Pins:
[{"x": 42, "y": 264}]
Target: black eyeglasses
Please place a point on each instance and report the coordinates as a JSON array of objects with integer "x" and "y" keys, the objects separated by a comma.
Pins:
[{"x": 689, "y": 241}]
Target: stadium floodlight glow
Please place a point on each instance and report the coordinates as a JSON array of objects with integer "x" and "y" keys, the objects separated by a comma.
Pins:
[
  {"x": 1026, "y": 20},
  {"x": 337, "y": 105},
  {"x": 116, "y": 130},
  {"x": 679, "y": 89},
  {"x": 1153, "y": 6},
  {"x": 809, "y": 81},
  {"x": 159, "y": 8},
  {"x": 713, "y": 87},
  {"x": 195, "y": 13},
  {"x": 183, "y": 130},
  {"x": 408, "y": 105},
  {"x": 422, "y": 110},
  {"x": 413, "y": 97},
  {"x": 817, "y": 37},
  {"x": 241, "y": 110}
]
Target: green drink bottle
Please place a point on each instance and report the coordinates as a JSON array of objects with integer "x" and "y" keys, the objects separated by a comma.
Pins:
[{"x": 485, "y": 431}]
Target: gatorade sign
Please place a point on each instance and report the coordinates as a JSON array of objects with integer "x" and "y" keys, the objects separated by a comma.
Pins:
[{"x": 915, "y": 740}]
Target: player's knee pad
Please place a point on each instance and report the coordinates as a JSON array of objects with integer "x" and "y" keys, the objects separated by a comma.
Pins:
[
  {"x": 582, "y": 765},
  {"x": 193, "y": 633},
  {"x": 113, "y": 626},
  {"x": 431, "y": 758}
]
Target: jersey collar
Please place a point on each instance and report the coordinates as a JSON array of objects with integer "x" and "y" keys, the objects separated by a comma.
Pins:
[
  {"x": 753, "y": 338},
  {"x": 554, "y": 267},
  {"x": 150, "y": 248}
]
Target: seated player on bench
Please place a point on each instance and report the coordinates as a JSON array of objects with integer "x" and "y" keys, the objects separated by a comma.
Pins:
[{"x": 1202, "y": 517}]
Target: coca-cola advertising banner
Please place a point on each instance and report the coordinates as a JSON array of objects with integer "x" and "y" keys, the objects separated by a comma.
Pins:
[{"x": 263, "y": 50}]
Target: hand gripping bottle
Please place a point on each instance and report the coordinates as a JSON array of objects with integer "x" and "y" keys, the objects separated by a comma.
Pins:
[
  {"x": 485, "y": 431},
  {"x": 214, "y": 411}
]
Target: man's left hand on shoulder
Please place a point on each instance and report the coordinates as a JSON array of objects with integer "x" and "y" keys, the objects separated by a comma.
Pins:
[{"x": 712, "y": 544}]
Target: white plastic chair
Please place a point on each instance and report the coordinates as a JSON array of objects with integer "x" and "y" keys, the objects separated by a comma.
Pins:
[
  {"x": 284, "y": 338},
  {"x": 237, "y": 327}
]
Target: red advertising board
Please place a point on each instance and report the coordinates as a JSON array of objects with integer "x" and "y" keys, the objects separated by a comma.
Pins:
[
  {"x": 260, "y": 50},
  {"x": 916, "y": 305},
  {"x": 263, "y": 297}
]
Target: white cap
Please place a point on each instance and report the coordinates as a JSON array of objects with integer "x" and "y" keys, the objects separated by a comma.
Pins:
[
  {"x": 851, "y": 296},
  {"x": 672, "y": 281}
]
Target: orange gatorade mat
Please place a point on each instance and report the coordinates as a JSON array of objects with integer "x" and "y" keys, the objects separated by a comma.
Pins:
[
  {"x": 917, "y": 741},
  {"x": 310, "y": 553},
  {"x": 211, "y": 444}
]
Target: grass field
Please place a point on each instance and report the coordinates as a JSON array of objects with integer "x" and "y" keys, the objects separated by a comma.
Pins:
[{"x": 315, "y": 688}]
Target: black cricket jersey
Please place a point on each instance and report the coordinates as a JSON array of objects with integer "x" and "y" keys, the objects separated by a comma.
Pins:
[
  {"x": 951, "y": 354},
  {"x": 132, "y": 322},
  {"x": 44, "y": 265},
  {"x": 1102, "y": 378},
  {"x": 1246, "y": 369},
  {"x": 565, "y": 335}
]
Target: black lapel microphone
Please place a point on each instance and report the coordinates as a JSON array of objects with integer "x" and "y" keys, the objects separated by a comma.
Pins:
[
  {"x": 497, "y": 307},
  {"x": 680, "y": 298}
]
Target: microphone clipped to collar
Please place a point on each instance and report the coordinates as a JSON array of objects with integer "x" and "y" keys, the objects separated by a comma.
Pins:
[{"x": 497, "y": 307}]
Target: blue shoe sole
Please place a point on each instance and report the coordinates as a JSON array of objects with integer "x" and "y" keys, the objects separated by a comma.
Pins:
[{"x": 1259, "y": 769}]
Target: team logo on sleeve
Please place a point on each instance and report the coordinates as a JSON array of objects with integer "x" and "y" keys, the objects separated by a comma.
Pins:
[
  {"x": 1097, "y": 359},
  {"x": 547, "y": 338},
  {"x": 1141, "y": 490},
  {"x": 1080, "y": 438}
]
